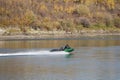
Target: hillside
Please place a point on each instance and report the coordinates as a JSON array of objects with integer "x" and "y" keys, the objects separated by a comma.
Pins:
[{"x": 59, "y": 15}]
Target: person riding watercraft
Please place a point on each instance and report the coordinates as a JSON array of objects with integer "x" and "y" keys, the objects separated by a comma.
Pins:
[{"x": 62, "y": 48}]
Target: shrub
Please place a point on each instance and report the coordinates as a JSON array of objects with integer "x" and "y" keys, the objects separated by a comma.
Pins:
[
  {"x": 117, "y": 22},
  {"x": 36, "y": 25},
  {"x": 58, "y": 8},
  {"x": 67, "y": 25},
  {"x": 50, "y": 25},
  {"x": 99, "y": 26},
  {"x": 82, "y": 10},
  {"x": 104, "y": 17},
  {"x": 111, "y": 4},
  {"x": 83, "y": 21},
  {"x": 43, "y": 7},
  {"x": 66, "y": 1},
  {"x": 29, "y": 18},
  {"x": 76, "y": 1},
  {"x": 69, "y": 9},
  {"x": 108, "y": 20}
]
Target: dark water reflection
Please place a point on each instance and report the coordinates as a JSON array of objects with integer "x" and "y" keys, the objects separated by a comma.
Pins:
[
  {"x": 77, "y": 42},
  {"x": 94, "y": 59}
]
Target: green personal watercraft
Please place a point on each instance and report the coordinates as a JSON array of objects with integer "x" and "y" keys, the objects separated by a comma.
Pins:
[
  {"x": 69, "y": 50},
  {"x": 65, "y": 48}
]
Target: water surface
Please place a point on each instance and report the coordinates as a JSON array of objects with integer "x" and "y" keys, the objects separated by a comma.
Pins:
[{"x": 95, "y": 58}]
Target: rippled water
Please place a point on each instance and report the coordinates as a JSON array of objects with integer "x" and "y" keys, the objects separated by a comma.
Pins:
[{"x": 95, "y": 58}]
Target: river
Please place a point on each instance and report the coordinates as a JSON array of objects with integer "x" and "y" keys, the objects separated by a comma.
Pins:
[{"x": 95, "y": 58}]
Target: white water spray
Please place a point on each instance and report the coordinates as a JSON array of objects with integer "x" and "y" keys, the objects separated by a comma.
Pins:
[{"x": 34, "y": 53}]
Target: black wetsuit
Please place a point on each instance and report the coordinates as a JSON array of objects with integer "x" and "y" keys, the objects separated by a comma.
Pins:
[
  {"x": 61, "y": 49},
  {"x": 66, "y": 47}
]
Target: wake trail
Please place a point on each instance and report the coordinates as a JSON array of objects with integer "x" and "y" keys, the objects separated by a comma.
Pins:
[{"x": 34, "y": 53}]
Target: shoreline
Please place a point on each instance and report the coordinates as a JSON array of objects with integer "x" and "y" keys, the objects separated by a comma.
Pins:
[{"x": 46, "y": 35}]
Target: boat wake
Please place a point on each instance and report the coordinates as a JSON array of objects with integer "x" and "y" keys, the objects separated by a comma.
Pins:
[{"x": 34, "y": 53}]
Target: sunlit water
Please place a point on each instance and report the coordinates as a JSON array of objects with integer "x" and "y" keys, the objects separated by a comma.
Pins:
[{"x": 95, "y": 58}]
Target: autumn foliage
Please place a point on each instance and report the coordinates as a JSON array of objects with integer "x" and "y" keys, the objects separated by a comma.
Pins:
[{"x": 59, "y": 14}]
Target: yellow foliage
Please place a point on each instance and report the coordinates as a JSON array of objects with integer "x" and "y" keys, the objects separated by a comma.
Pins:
[
  {"x": 43, "y": 7},
  {"x": 1, "y": 10},
  {"x": 69, "y": 9},
  {"x": 28, "y": 18},
  {"x": 58, "y": 8},
  {"x": 66, "y": 1},
  {"x": 50, "y": 25},
  {"x": 111, "y": 4},
  {"x": 55, "y": 0},
  {"x": 4, "y": 11},
  {"x": 46, "y": 19},
  {"x": 5, "y": 22},
  {"x": 83, "y": 10},
  {"x": 37, "y": 12}
]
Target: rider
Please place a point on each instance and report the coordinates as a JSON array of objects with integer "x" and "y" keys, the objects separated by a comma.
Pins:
[{"x": 64, "y": 47}]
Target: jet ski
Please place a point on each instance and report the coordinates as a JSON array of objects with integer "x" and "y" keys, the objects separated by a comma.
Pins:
[{"x": 65, "y": 48}]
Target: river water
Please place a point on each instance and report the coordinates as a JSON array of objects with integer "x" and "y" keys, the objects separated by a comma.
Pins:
[{"x": 95, "y": 58}]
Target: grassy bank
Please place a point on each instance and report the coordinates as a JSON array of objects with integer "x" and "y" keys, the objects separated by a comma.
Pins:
[
  {"x": 30, "y": 31},
  {"x": 31, "y": 34}
]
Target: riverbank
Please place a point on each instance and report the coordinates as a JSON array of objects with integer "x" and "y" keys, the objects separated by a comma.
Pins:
[{"x": 35, "y": 35}]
